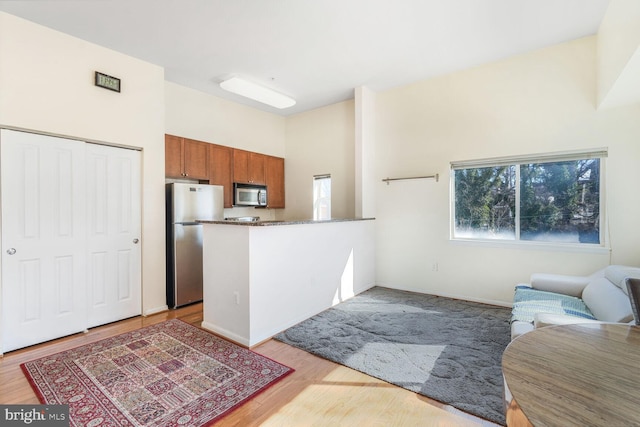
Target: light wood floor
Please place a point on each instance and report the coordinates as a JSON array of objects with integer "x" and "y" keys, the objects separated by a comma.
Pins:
[{"x": 318, "y": 393}]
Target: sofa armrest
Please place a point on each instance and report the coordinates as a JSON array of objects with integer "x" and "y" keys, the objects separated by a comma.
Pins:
[
  {"x": 541, "y": 320},
  {"x": 559, "y": 283}
]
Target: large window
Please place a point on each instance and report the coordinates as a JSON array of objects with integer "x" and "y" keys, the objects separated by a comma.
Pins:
[{"x": 545, "y": 198}]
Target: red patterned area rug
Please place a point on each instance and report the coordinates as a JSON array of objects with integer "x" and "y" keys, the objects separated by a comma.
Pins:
[{"x": 169, "y": 374}]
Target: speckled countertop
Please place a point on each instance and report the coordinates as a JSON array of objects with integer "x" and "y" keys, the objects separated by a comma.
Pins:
[{"x": 277, "y": 222}]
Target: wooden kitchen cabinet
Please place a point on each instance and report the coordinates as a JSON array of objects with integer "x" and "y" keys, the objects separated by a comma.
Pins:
[
  {"x": 186, "y": 158},
  {"x": 172, "y": 156},
  {"x": 274, "y": 177},
  {"x": 221, "y": 170},
  {"x": 248, "y": 167},
  {"x": 196, "y": 159},
  {"x": 221, "y": 165}
]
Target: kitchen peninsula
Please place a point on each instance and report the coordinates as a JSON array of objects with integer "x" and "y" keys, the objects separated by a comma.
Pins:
[{"x": 263, "y": 277}]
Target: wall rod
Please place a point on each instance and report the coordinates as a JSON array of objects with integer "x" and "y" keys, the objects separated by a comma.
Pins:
[{"x": 436, "y": 177}]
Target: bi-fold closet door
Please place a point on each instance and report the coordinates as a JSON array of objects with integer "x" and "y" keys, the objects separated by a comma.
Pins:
[{"x": 70, "y": 236}]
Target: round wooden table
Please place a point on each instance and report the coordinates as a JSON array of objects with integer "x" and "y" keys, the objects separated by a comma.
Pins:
[{"x": 575, "y": 375}]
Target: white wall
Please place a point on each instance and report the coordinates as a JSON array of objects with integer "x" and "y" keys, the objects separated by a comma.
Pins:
[
  {"x": 543, "y": 101},
  {"x": 365, "y": 156},
  {"x": 318, "y": 142},
  {"x": 619, "y": 54},
  {"x": 46, "y": 85},
  {"x": 193, "y": 114},
  {"x": 259, "y": 281},
  {"x": 537, "y": 102},
  {"x": 197, "y": 115},
  {"x": 315, "y": 142}
]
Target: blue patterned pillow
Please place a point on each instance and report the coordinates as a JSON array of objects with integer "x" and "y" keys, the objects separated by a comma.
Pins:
[{"x": 528, "y": 301}]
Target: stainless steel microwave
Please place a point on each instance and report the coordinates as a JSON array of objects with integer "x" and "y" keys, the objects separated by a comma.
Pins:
[{"x": 249, "y": 195}]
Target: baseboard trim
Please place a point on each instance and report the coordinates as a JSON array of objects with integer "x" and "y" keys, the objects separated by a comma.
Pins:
[
  {"x": 155, "y": 310},
  {"x": 226, "y": 334}
]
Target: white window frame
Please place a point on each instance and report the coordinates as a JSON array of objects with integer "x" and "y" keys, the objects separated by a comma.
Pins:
[
  {"x": 600, "y": 153},
  {"x": 319, "y": 200}
]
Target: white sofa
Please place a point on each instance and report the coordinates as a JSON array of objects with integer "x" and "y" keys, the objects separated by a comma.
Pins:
[{"x": 604, "y": 294}]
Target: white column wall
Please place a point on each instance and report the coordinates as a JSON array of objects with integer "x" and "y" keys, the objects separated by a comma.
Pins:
[
  {"x": 365, "y": 177},
  {"x": 227, "y": 277},
  {"x": 282, "y": 274}
]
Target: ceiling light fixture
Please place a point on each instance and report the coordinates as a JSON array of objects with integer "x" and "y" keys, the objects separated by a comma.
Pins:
[{"x": 257, "y": 92}]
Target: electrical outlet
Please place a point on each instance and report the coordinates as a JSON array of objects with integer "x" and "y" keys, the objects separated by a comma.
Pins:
[
  {"x": 236, "y": 294},
  {"x": 435, "y": 266}
]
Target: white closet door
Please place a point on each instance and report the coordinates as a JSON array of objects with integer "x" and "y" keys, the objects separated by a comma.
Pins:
[
  {"x": 113, "y": 234},
  {"x": 43, "y": 238}
]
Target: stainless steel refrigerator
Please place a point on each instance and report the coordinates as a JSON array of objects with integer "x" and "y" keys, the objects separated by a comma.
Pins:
[{"x": 185, "y": 204}]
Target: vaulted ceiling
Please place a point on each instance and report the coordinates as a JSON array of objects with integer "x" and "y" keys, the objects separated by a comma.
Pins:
[{"x": 316, "y": 51}]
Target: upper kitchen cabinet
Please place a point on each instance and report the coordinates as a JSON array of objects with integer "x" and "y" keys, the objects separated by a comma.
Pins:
[
  {"x": 248, "y": 167},
  {"x": 172, "y": 156},
  {"x": 274, "y": 177},
  {"x": 186, "y": 158},
  {"x": 221, "y": 165},
  {"x": 221, "y": 170}
]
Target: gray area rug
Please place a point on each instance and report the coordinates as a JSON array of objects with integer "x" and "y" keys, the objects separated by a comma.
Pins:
[{"x": 448, "y": 350}]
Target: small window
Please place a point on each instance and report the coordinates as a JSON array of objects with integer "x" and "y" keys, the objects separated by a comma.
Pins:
[
  {"x": 321, "y": 197},
  {"x": 543, "y": 198}
]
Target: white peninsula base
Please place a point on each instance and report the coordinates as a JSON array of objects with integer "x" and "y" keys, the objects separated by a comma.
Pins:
[{"x": 264, "y": 277}]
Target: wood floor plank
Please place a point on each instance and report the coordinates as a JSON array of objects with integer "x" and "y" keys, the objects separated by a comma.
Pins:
[{"x": 318, "y": 393}]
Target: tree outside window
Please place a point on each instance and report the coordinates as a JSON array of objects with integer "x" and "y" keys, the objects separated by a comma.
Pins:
[{"x": 548, "y": 201}]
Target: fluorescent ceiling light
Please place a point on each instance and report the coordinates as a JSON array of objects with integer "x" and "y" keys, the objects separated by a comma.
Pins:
[{"x": 257, "y": 92}]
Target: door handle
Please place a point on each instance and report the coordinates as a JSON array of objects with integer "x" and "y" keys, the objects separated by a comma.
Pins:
[
  {"x": 11, "y": 251},
  {"x": 135, "y": 241}
]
